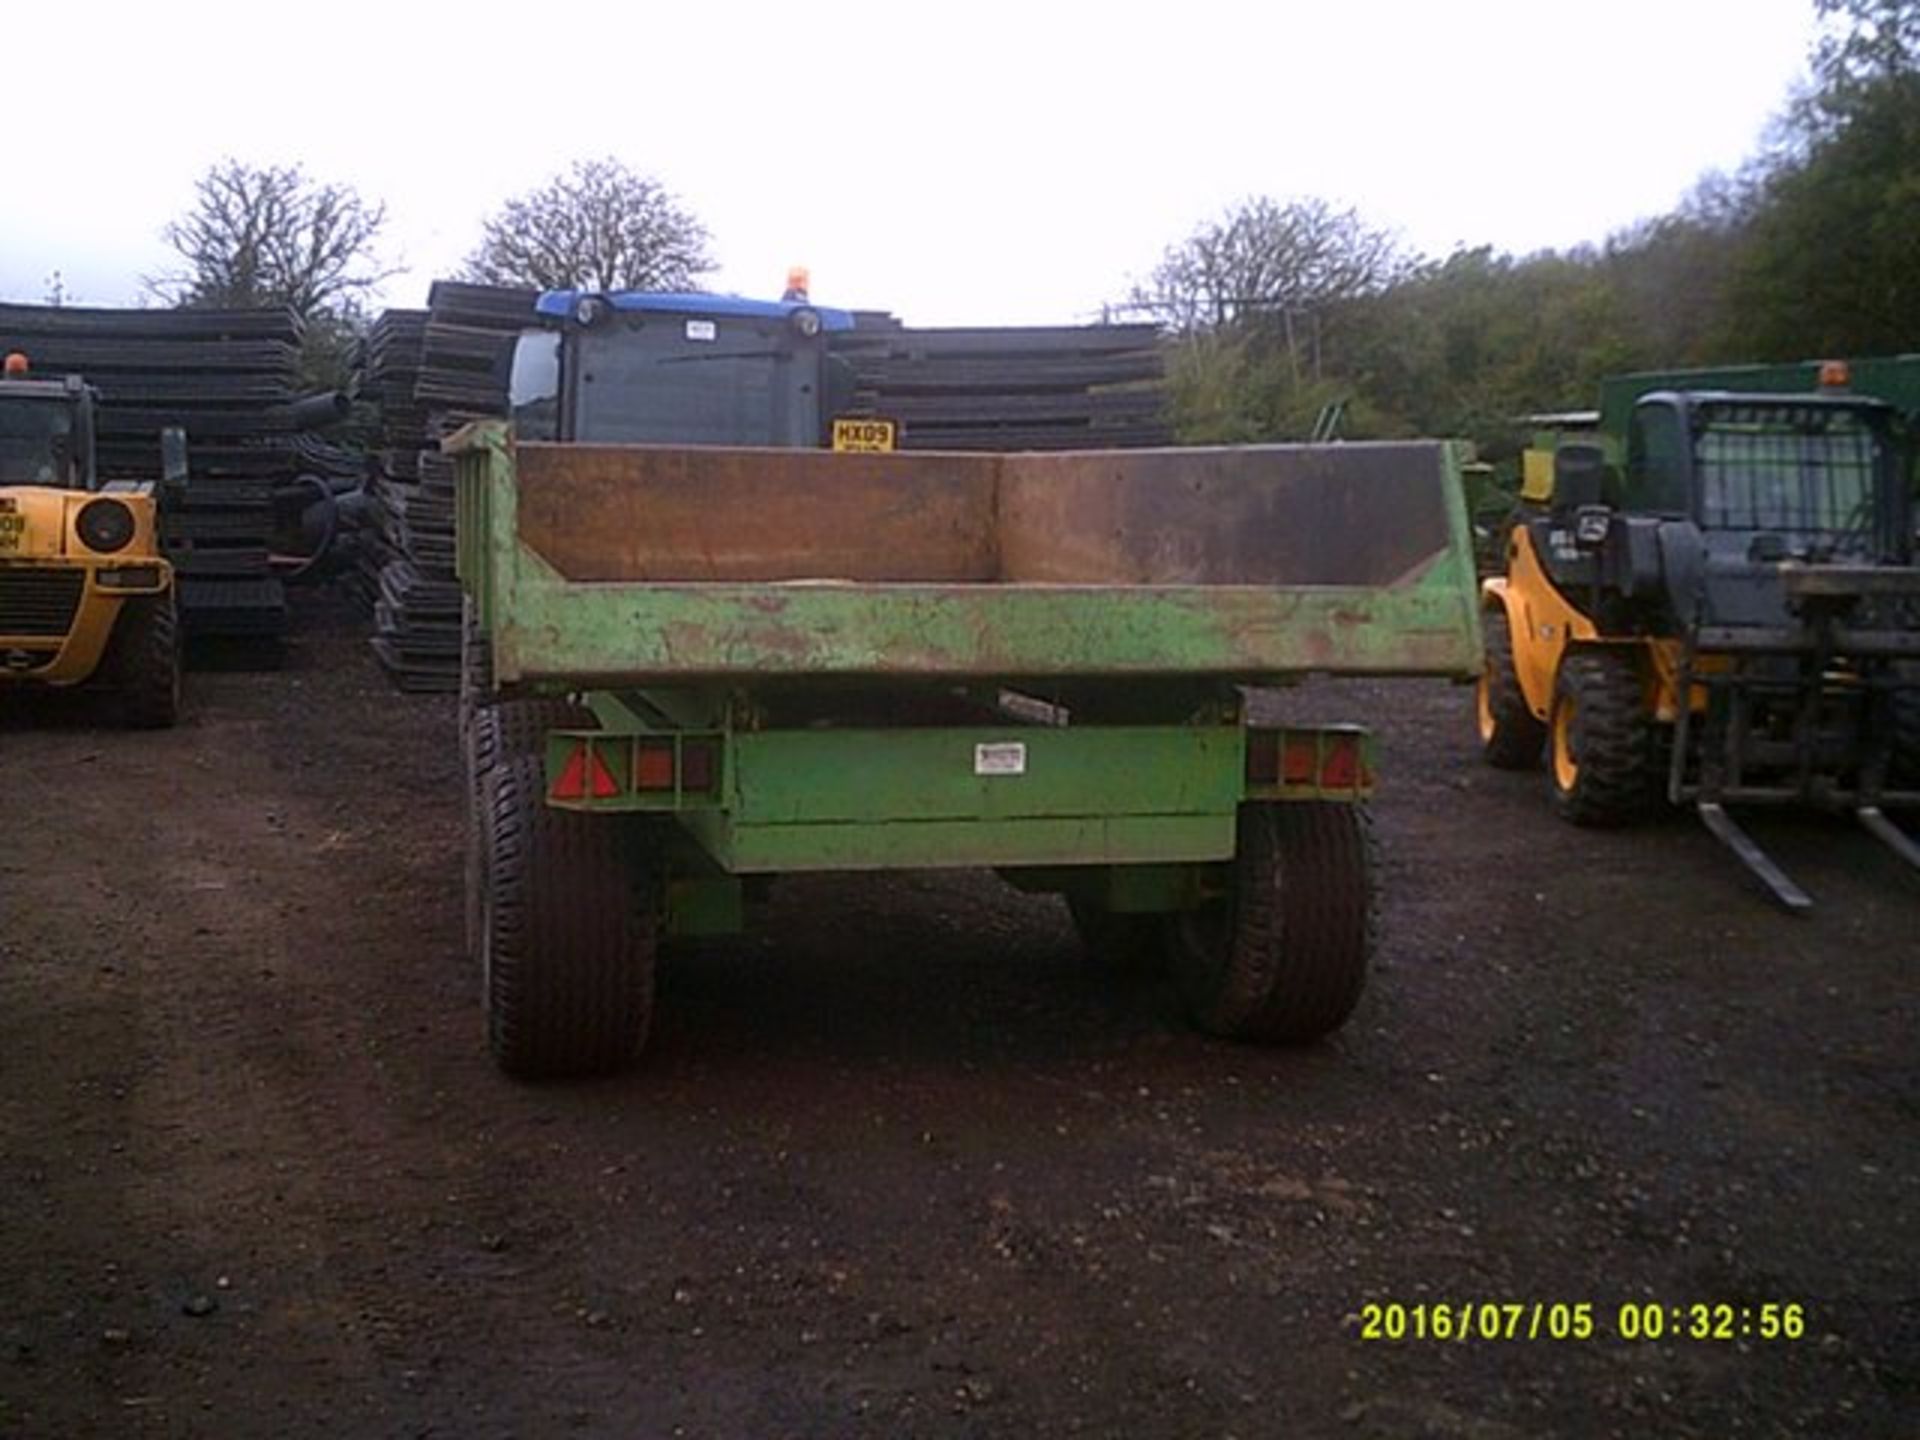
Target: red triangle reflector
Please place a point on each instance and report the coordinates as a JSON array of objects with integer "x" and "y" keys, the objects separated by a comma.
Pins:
[
  {"x": 603, "y": 783},
  {"x": 575, "y": 778},
  {"x": 572, "y": 784}
]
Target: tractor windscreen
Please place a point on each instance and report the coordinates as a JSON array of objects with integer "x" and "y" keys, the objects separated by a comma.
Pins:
[
  {"x": 36, "y": 442},
  {"x": 1787, "y": 467}
]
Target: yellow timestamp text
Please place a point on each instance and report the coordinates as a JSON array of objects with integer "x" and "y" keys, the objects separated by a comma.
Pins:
[{"x": 1468, "y": 1320}]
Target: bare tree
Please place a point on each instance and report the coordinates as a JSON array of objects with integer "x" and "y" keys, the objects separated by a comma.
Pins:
[
  {"x": 267, "y": 235},
  {"x": 1264, "y": 257},
  {"x": 600, "y": 226},
  {"x": 1269, "y": 273}
]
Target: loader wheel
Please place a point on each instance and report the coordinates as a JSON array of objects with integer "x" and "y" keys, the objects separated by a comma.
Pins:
[
  {"x": 569, "y": 933},
  {"x": 501, "y": 732},
  {"x": 1903, "y": 771},
  {"x": 1283, "y": 957},
  {"x": 1600, "y": 739},
  {"x": 145, "y": 663},
  {"x": 1511, "y": 736},
  {"x": 1118, "y": 944}
]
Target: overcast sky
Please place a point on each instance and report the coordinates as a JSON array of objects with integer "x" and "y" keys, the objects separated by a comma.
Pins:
[{"x": 970, "y": 163}]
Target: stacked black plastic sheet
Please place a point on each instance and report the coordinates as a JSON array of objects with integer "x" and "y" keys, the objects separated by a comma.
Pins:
[
  {"x": 230, "y": 378},
  {"x": 1081, "y": 387},
  {"x": 431, "y": 371}
]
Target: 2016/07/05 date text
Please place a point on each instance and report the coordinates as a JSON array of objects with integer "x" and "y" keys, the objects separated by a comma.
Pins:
[{"x": 1467, "y": 1320}]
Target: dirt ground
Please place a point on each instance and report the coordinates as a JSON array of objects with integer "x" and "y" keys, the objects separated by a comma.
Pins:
[{"x": 900, "y": 1163}]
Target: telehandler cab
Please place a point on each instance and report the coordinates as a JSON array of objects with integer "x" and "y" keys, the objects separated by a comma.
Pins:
[
  {"x": 85, "y": 595},
  {"x": 1732, "y": 616}
]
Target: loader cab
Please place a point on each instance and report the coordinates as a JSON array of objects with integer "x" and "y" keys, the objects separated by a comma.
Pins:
[
  {"x": 676, "y": 369},
  {"x": 47, "y": 434},
  {"x": 1719, "y": 490},
  {"x": 1821, "y": 475}
]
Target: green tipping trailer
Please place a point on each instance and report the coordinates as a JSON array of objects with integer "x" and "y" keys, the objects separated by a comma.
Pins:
[{"x": 698, "y": 666}]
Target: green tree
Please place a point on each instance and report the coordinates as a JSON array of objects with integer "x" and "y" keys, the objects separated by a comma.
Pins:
[
  {"x": 1832, "y": 265},
  {"x": 600, "y": 226}
]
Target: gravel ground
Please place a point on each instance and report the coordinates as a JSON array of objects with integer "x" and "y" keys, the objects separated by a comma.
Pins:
[{"x": 900, "y": 1162}]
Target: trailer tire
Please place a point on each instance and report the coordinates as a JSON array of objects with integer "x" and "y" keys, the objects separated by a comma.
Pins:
[
  {"x": 569, "y": 933},
  {"x": 1119, "y": 944},
  {"x": 1602, "y": 760},
  {"x": 1283, "y": 957},
  {"x": 145, "y": 665},
  {"x": 476, "y": 671},
  {"x": 503, "y": 731},
  {"x": 1511, "y": 735}
]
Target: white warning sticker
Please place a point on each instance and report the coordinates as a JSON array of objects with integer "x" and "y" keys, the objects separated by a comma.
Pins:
[
  {"x": 702, "y": 330},
  {"x": 1001, "y": 757}
]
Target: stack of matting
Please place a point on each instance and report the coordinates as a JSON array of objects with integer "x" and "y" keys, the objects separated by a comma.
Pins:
[
  {"x": 1087, "y": 387},
  {"x": 431, "y": 371}
]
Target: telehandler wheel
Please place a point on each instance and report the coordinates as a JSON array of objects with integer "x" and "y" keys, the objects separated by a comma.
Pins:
[
  {"x": 1904, "y": 768},
  {"x": 569, "y": 933},
  {"x": 144, "y": 668},
  {"x": 1117, "y": 944},
  {"x": 1283, "y": 957},
  {"x": 500, "y": 732},
  {"x": 1511, "y": 736},
  {"x": 1601, "y": 759}
]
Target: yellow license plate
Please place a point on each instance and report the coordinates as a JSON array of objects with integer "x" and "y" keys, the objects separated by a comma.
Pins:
[
  {"x": 13, "y": 529},
  {"x": 867, "y": 435}
]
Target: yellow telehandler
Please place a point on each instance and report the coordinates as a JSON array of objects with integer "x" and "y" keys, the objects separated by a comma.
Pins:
[
  {"x": 86, "y": 597},
  {"x": 1729, "y": 617}
]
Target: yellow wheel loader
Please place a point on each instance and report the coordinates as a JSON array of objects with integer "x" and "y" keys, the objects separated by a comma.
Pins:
[
  {"x": 1729, "y": 617},
  {"x": 86, "y": 597}
]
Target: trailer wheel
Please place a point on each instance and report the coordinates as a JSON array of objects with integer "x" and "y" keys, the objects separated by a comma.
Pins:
[
  {"x": 1600, "y": 739},
  {"x": 1511, "y": 736},
  {"x": 1131, "y": 945},
  {"x": 569, "y": 933},
  {"x": 504, "y": 731},
  {"x": 476, "y": 671},
  {"x": 145, "y": 663},
  {"x": 1283, "y": 957}
]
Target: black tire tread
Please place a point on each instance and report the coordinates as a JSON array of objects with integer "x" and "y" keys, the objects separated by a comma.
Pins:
[
  {"x": 1518, "y": 734},
  {"x": 572, "y": 934},
  {"x": 476, "y": 670},
  {"x": 1903, "y": 769},
  {"x": 145, "y": 661},
  {"x": 500, "y": 732},
  {"x": 1302, "y": 929},
  {"x": 1617, "y": 776}
]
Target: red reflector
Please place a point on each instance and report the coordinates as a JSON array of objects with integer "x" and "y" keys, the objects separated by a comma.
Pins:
[
  {"x": 572, "y": 784},
  {"x": 584, "y": 768},
  {"x": 697, "y": 765},
  {"x": 653, "y": 765},
  {"x": 1302, "y": 760},
  {"x": 1341, "y": 768},
  {"x": 603, "y": 784},
  {"x": 1263, "y": 757}
]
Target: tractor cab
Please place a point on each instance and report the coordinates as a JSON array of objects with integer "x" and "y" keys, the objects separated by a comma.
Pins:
[
  {"x": 637, "y": 367},
  {"x": 46, "y": 431}
]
